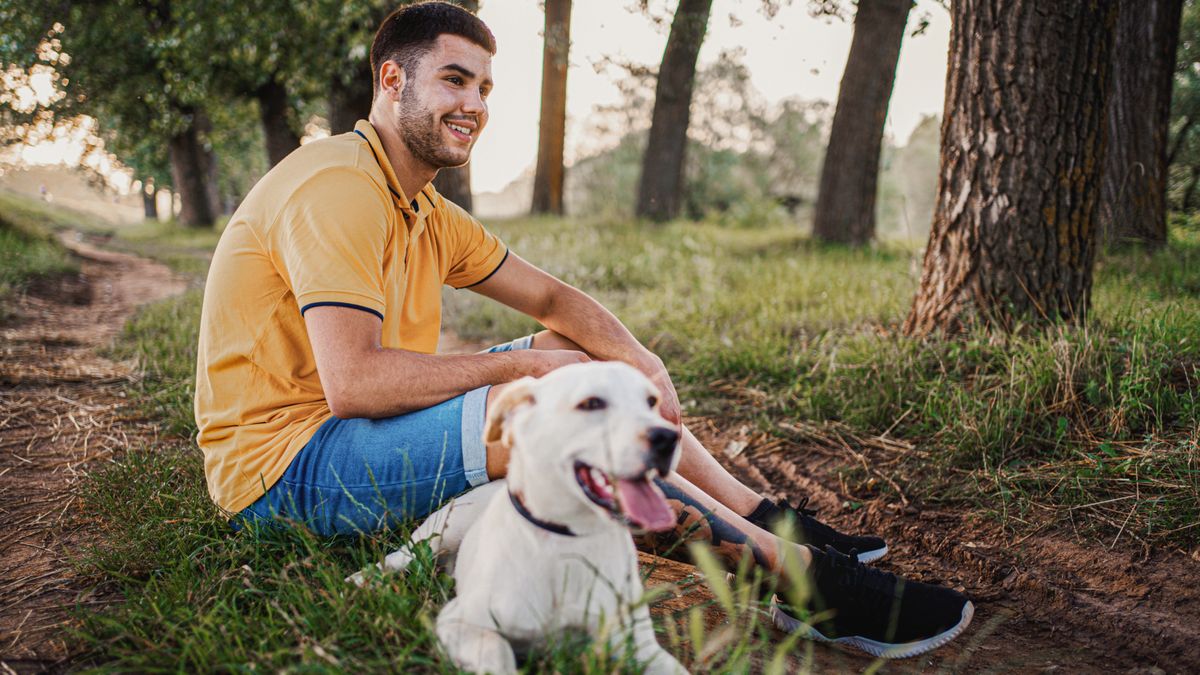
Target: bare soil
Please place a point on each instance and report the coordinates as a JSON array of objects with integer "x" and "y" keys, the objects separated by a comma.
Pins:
[{"x": 62, "y": 413}]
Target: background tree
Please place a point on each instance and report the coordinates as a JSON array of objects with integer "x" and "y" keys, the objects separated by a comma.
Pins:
[
  {"x": 1133, "y": 188},
  {"x": 117, "y": 62},
  {"x": 845, "y": 209},
  {"x": 661, "y": 185},
  {"x": 1183, "y": 155},
  {"x": 1013, "y": 237},
  {"x": 548, "y": 177}
]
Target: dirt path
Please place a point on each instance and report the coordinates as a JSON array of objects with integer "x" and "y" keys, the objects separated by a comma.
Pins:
[{"x": 62, "y": 412}]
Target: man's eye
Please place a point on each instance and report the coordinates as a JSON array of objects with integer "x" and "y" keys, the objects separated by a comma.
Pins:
[
  {"x": 653, "y": 401},
  {"x": 592, "y": 403},
  {"x": 454, "y": 80}
]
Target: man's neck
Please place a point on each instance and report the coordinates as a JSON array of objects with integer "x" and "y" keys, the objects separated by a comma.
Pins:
[{"x": 412, "y": 173}]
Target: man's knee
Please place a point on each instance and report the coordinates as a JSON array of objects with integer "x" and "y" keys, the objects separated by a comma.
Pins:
[{"x": 548, "y": 339}]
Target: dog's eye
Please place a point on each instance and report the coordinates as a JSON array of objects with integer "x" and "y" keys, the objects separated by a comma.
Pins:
[
  {"x": 592, "y": 403},
  {"x": 653, "y": 401}
]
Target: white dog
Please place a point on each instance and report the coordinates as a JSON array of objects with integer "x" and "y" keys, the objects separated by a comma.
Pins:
[{"x": 549, "y": 550}]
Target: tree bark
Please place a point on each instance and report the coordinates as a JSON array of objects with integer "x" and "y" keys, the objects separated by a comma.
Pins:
[
  {"x": 548, "y": 178},
  {"x": 192, "y": 167},
  {"x": 149, "y": 200},
  {"x": 660, "y": 190},
  {"x": 273, "y": 110},
  {"x": 455, "y": 184},
  {"x": 1013, "y": 237},
  {"x": 1133, "y": 197},
  {"x": 349, "y": 102},
  {"x": 845, "y": 211}
]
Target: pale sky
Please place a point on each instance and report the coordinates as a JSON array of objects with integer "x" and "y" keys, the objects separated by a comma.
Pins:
[{"x": 791, "y": 55}]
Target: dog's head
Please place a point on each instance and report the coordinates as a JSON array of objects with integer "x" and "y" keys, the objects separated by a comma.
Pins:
[{"x": 586, "y": 440}]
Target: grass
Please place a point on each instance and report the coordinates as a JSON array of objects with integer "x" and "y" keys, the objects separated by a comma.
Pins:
[
  {"x": 758, "y": 326},
  {"x": 28, "y": 250}
]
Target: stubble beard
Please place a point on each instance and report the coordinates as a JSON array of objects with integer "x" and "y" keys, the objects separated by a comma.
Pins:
[{"x": 421, "y": 132}]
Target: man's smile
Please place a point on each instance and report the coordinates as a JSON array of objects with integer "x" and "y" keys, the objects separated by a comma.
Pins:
[{"x": 461, "y": 130}]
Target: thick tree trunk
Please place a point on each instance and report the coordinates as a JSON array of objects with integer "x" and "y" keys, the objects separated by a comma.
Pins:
[
  {"x": 455, "y": 185},
  {"x": 660, "y": 190},
  {"x": 273, "y": 110},
  {"x": 192, "y": 166},
  {"x": 845, "y": 210},
  {"x": 149, "y": 200},
  {"x": 1133, "y": 196},
  {"x": 349, "y": 102},
  {"x": 1014, "y": 232},
  {"x": 548, "y": 178}
]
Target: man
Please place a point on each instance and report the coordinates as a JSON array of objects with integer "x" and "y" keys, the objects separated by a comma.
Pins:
[{"x": 320, "y": 399}]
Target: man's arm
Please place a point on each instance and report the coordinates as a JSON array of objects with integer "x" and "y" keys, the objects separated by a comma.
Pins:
[
  {"x": 361, "y": 378},
  {"x": 574, "y": 314}
]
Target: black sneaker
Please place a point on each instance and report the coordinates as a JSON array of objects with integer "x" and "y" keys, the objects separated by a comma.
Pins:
[
  {"x": 771, "y": 516},
  {"x": 854, "y": 605}
]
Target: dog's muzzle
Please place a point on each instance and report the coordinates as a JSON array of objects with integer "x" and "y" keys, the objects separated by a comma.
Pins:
[{"x": 662, "y": 449}]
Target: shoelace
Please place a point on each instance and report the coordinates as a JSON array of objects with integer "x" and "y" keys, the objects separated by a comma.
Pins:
[
  {"x": 805, "y": 519},
  {"x": 868, "y": 585}
]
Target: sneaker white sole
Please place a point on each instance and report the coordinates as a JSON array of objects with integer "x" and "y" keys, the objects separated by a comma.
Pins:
[
  {"x": 872, "y": 556},
  {"x": 884, "y": 650}
]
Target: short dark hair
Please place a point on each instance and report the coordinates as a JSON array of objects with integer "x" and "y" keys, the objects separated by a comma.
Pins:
[{"x": 409, "y": 33}]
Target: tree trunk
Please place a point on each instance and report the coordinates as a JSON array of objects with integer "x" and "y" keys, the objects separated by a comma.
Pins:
[
  {"x": 191, "y": 169},
  {"x": 149, "y": 200},
  {"x": 548, "y": 178},
  {"x": 1014, "y": 232},
  {"x": 455, "y": 184},
  {"x": 273, "y": 110},
  {"x": 845, "y": 210},
  {"x": 1133, "y": 190},
  {"x": 349, "y": 102},
  {"x": 660, "y": 190}
]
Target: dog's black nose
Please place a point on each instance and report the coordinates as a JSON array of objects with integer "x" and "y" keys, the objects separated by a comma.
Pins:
[{"x": 662, "y": 448}]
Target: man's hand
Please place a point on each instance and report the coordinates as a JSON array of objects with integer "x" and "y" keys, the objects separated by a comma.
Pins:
[{"x": 542, "y": 361}]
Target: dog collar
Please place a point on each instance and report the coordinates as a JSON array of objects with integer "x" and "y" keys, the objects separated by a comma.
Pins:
[{"x": 545, "y": 525}]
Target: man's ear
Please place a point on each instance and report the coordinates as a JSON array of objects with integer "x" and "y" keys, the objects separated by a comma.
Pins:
[
  {"x": 392, "y": 77},
  {"x": 515, "y": 394}
]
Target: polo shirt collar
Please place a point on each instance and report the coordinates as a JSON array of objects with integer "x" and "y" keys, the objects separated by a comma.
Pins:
[{"x": 418, "y": 207}]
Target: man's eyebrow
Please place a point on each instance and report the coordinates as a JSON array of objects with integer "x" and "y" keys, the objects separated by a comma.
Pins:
[{"x": 464, "y": 72}]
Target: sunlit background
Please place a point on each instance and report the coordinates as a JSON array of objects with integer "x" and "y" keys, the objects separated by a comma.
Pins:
[{"x": 789, "y": 55}]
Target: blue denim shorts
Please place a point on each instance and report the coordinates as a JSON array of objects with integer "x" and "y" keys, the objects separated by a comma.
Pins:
[{"x": 366, "y": 475}]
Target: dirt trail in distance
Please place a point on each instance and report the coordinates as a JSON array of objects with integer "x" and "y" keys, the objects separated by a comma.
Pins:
[{"x": 62, "y": 412}]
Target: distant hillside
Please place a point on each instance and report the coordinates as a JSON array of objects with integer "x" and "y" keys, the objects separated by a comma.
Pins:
[{"x": 70, "y": 188}]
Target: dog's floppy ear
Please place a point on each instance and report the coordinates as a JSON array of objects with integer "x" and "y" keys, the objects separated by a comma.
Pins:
[{"x": 517, "y": 393}]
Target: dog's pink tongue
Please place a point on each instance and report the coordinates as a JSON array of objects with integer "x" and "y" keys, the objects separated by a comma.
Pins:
[{"x": 644, "y": 505}]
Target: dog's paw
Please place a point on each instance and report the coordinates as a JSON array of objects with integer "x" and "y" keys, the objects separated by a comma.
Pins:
[{"x": 359, "y": 578}]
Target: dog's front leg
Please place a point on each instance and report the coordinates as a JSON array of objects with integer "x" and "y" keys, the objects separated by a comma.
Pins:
[
  {"x": 650, "y": 654},
  {"x": 472, "y": 645}
]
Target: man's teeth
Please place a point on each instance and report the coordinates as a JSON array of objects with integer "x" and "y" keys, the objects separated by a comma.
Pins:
[{"x": 462, "y": 130}]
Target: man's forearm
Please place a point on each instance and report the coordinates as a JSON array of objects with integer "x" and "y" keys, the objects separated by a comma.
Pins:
[
  {"x": 576, "y": 315},
  {"x": 385, "y": 382}
]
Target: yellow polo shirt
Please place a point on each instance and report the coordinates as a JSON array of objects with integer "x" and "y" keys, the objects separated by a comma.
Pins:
[{"x": 328, "y": 225}]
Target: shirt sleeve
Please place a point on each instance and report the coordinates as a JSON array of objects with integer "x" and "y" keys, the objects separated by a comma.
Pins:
[
  {"x": 477, "y": 253},
  {"x": 330, "y": 239}
]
